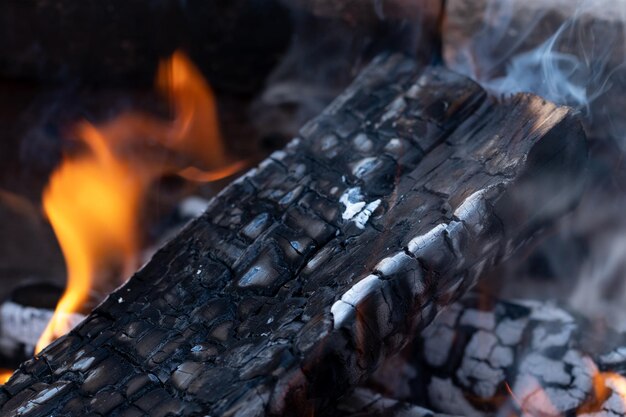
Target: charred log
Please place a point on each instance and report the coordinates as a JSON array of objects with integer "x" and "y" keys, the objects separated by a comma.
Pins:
[
  {"x": 309, "y": 270},
  {"x": 481, "y": 359}
]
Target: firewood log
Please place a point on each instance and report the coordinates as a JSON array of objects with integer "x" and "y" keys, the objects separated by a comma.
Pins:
[
  {"x": 479, "y": 359},
  {"x": 306, "y": 272}
]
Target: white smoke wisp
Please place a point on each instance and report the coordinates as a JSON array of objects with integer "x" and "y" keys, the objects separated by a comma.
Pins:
[
  {"x": 572, "y": 52},
  {"x": 558, "y": 76}
]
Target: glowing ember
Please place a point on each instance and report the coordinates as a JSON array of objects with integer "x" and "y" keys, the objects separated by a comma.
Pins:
[
  {"x": 5, "y": 374},
  {"x": 93, "y": 200},
  {"x": 609, "y": 393}
]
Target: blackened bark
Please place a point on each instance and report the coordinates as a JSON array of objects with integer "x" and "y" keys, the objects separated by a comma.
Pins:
[
  {"x": 306, "y": 272},
  {"x": 480, "y": 359}
]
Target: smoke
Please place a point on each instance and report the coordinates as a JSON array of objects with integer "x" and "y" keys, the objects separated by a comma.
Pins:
[{"x": 570, "y": 52}]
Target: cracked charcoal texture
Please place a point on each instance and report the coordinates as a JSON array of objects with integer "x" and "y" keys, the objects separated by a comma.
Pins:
[
  {"x": 552, "y": 360},
  {"x": 280, "y": 299}
]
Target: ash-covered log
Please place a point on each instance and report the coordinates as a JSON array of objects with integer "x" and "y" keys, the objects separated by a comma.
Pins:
[
  {"x": 309, "y": 270},
  {"x": 484, "y": 359}
]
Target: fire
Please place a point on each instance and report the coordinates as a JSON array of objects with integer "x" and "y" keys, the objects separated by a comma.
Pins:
[
  {"x": 609, "y": 392},
  {"x": 5, "y": 374},
  {"x": 92, "y": 202},
  {"x": 94, "y": 199},
  {"x": 607, "y": 387}
]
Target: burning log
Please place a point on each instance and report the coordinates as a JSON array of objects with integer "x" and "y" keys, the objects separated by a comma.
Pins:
[
  {"x": 528, "y": 356},
  {"x": 309, "y": 270}
]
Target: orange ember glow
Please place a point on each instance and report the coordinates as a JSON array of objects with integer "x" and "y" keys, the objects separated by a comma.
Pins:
[
  {"x": 94, "y": 199},
  {"x": 608, "y": 387},
  {"x": 5, "y": 374}
]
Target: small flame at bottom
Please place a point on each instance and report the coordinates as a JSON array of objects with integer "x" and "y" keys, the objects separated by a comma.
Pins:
[
  {"x": 92, "y": 202},
  {"x": 609, "y": 392}
]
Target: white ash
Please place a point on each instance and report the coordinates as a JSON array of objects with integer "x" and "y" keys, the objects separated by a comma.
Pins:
[
  {"x": 544, "y": 337},
  {"x": 481, "y": 319},
  {"x": 361, "y": 219},
  {"x": 509, "y": 332},
  {"x": 614, "y": 357},
  {"x": 546, "y": 311},
  {"x": 341, "y": 311},
  {"x": 193, "y": 206},
  {"x": 437, "y": 344},
  {"x": 393, "y": 264},
  {"x": 352, "y": 199},
  {"x": 477, "y": 371},
  {"x": 343, "y": 307},
  {"x": 419, "y": 243},
  {"x": 361, "y": 289},
  {"x": 356, "y": 209},
  {"x": 450, "y": 398}
]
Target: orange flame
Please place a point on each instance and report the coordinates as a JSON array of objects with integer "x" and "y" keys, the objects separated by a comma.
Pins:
[
  {"x": 605, "y": 385},
  {"x": 5, "y": 374},
  {"x": 93, "y": 200}
]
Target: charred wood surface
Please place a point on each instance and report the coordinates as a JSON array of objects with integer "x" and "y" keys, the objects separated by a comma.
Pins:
[
  {"x": 532, "y": 357},
  {"x": 309, "y": 270}
]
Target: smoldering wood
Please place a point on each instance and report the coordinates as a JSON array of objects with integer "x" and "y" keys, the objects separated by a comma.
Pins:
[
  {"x": 309, "y": 270},
  {"x": 578, "y": 44},
  {"x": 485, "y": 358}
]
